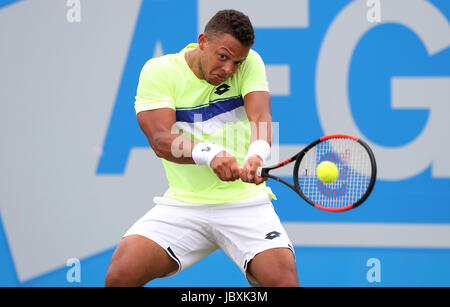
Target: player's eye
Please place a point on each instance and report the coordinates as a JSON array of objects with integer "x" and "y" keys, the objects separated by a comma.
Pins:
[{"x": 222, "y": 57}]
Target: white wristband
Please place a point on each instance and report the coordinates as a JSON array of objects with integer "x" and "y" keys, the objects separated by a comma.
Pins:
[
  {"x": 259, "y": 148},
  {"x": 204, "y": 153}
]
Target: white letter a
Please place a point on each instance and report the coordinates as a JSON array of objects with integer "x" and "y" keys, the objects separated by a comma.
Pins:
[
  {"x": 374, "y": 274},
  {"x": 74, "y": 13},
  {"x": 374, "y": 13}
]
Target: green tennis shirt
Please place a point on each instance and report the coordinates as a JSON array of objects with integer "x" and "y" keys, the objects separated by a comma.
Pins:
[{"x": 204, "y": 113}]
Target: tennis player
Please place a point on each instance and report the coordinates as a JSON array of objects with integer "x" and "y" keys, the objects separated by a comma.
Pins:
[{"x": 206, "y": 114}]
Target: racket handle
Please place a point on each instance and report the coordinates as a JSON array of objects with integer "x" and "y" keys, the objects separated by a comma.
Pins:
[{"x": 262, "y": 172}]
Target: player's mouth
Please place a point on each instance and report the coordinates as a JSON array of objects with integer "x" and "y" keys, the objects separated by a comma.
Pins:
[{"x": 219, "y": 78}]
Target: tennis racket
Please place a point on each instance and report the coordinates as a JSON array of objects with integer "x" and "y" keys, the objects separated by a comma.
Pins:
[{"x": 355, "y": 162}]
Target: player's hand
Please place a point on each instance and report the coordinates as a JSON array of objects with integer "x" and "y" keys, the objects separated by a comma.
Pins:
[
  {"x": 248, "y": 172},
  {"x": 225, "y": 166}
]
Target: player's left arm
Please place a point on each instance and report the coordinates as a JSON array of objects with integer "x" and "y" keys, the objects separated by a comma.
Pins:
[{"x": 257, "y": 107}]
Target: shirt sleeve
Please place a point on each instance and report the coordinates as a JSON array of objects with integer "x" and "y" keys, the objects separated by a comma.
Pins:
[
  {"x": 153, "y": 90},
  {"x": 253, "y": 74}
]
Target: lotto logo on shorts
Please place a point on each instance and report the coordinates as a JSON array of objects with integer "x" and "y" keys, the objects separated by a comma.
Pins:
[{"x": 272, "y": 235}]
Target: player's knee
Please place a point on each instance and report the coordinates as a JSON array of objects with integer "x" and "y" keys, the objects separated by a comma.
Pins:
[
  {"x": 279, "y": 277},
  {"x": 286, "y": 283},
  {"x": 113, "y": 278},
  {"x": 282, "y": 280},
  {"x": 119, "y": 277}
]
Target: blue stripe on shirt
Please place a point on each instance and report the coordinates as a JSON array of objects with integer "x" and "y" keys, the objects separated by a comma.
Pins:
[{"x": 209, "y": 111}]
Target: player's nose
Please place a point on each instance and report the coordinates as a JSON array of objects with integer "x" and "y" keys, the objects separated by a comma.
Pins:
[{"x": 227, "y": 68}]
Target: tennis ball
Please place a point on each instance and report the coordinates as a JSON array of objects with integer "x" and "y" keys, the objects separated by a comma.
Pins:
[{"x": 327, "y": 171}]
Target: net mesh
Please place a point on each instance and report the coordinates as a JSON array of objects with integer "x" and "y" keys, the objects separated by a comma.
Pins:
[{"x": 355, "y": 170}]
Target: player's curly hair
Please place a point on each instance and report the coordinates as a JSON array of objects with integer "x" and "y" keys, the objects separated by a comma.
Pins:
[{"x": 232, "y": 22}]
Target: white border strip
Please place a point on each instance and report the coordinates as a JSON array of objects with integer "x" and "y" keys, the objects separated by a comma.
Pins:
[{"x": 379, "y": 235}]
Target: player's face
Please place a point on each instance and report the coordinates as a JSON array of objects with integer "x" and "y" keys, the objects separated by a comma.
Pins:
[{"x": 221, "y": 57}]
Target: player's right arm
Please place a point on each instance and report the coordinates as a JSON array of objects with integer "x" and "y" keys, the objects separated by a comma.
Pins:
[
  {"x": 156, "y": 116},
  {"x": 157, "y": 126}
]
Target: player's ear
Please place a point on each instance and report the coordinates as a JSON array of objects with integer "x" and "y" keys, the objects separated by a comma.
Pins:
[{"x": 202, "y": 41}]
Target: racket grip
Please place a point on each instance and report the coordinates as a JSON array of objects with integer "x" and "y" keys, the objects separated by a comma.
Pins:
[{"x": 262, "y": 172}]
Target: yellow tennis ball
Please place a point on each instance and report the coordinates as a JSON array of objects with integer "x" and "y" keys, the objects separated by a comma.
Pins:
[{"x": 327, "y": 171}]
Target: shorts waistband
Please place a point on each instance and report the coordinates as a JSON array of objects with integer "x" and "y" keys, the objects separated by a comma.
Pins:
[{"x": 262, "y": 199}]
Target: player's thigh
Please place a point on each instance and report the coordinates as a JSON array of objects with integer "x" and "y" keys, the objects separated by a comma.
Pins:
[
  {"x": 274, "y": 267},
  {"x": 137, "y": 260},
  {"x": 246, "y": 233}
]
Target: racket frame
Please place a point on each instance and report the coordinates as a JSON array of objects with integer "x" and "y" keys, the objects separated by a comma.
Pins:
[{"x": 264, "y": 172}]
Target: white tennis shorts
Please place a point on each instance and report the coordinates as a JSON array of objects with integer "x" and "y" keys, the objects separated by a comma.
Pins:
[{"x": 191, "y": 232}]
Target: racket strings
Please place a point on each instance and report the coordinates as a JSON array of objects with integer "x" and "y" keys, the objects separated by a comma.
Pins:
[{"x": 354, "y": 166}]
